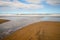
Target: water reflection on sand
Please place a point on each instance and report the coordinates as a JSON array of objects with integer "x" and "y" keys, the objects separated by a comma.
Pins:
[{"x": 16, "y": 23}]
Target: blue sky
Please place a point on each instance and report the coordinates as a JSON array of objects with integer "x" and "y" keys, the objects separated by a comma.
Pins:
[{"x": 29, "y": 6}]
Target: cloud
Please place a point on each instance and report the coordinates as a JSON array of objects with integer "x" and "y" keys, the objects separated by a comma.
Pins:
[
  {"x": 17, "y": 4},
  {"x": 34, "y": 1},
  {"x": 53, "y": 2}
]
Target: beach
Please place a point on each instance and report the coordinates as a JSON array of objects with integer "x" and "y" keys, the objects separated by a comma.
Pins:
[
  {"x": 19, "y": 23},
  {"x": 3, "y": 20},
  {"x": 47, "y": 30}
]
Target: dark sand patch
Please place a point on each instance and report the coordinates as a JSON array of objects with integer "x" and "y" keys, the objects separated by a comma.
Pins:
[
  {"x": 3, "y": 21},
  {"x": 37, "y": 31}
]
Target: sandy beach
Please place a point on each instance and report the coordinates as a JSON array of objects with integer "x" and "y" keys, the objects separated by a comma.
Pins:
[
  {"x": 47, "y": 30},
  {"x": 3, "y": 21}
]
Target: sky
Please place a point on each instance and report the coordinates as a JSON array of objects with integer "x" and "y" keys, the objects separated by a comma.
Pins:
[{"x": 29, "y": 6}]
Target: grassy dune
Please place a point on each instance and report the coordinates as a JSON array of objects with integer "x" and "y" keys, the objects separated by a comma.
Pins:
[
  {"x": 3, "y": 21},
  {"x": 37, "y": 31}
]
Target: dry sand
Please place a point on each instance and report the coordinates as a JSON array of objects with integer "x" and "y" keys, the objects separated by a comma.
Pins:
[
  {"x": 3, "y": 21},
  {"x": 37, "y": 31}
]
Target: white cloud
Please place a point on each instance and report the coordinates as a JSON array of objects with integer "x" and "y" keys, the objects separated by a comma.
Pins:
[
  {"x": 4, "y": 0},
  {"x": 16, "y": 4},
  {"x": 53, "y": 2},
  {"x": 34, "y": 1}
]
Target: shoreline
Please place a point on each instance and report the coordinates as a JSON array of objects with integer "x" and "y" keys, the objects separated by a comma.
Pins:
[{"x": 40, "y": 30}]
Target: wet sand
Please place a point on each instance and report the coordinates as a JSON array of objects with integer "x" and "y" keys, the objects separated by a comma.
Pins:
[
  {"x": 3, "y": 21},
  {"x": 47, "y": 30}
]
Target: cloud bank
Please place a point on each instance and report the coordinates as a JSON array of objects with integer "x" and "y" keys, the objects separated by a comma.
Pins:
[
  {"x": 34, "y": 4},
  {"x": 53, "y": 2},
  {"x": 17, "y": 4}
]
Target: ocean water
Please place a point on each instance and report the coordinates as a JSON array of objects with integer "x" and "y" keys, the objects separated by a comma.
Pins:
[{"x": 16, "y": 22}]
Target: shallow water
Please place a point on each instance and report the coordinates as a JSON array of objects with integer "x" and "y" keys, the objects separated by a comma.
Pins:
[{"x": 16, "y": 23}]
